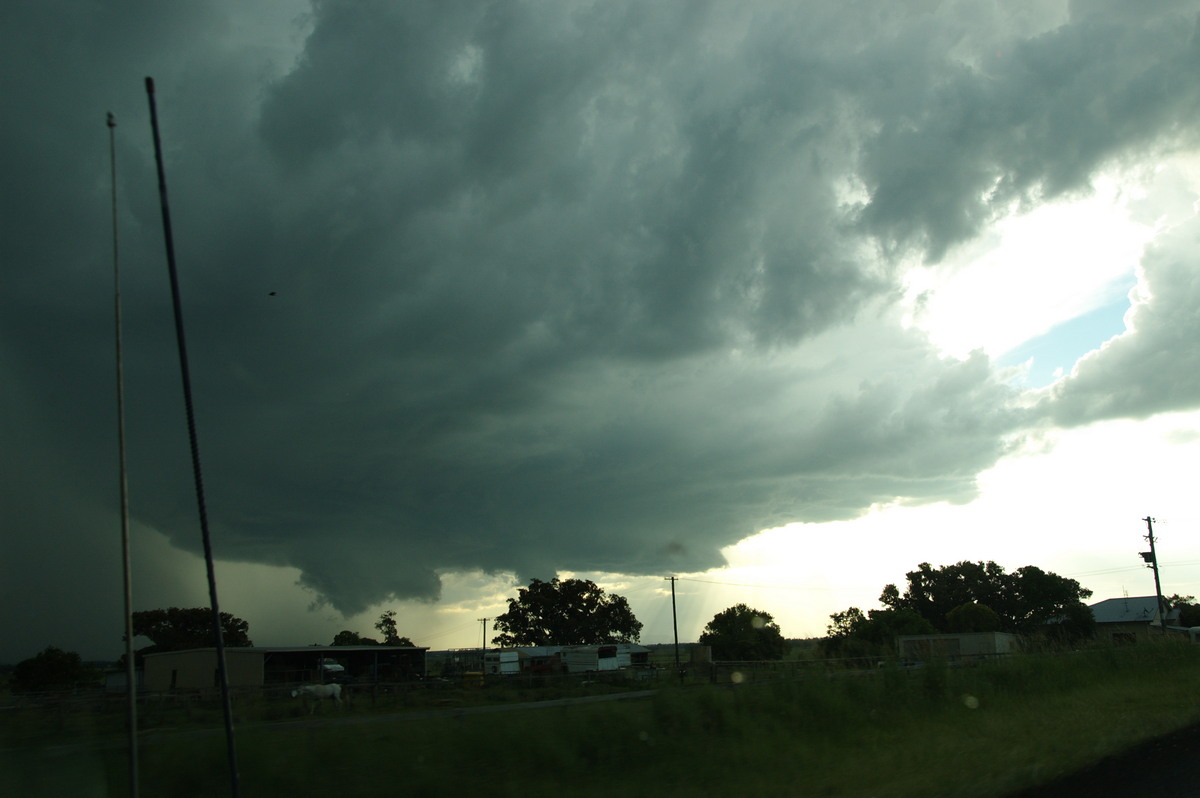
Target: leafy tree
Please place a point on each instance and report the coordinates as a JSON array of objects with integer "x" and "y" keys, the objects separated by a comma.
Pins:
[
  {"x": 348, "y": 638},
  {"x": 856, "y": 634},
  {"x": 1076, "y": 623},
  {"x": 972, "y": 617},
  {"x": 566, "y": 612},
  {"x": 743, "y": 633},
  {"x": 387, "y": 627},
  {"x": 175, "y": 629},
  {"x": 52, "y": 669},
  {"x": 848, "y": 623},
  {"x": 1040, "y": 596},
  {"x": 1023, "y": 600},
  {"x": 1189, "y": 611}
]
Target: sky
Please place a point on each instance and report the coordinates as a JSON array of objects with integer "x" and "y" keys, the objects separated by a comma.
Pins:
[{"x": 779, "y": 298}]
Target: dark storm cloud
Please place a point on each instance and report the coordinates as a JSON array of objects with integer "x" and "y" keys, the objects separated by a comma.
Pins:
[{"x": 530, "y": 287}]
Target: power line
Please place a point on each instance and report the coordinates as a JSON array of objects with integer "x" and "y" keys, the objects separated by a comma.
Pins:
[
  {"x": 1105, "y": 571},
  {"x": 769, "y": 587}
]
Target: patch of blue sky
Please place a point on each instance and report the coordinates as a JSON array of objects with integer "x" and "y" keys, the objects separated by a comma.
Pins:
[{"x": 1055, "y": 352}]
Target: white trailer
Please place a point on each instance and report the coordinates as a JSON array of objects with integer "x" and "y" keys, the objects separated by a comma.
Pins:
[
  {"x": 582, "y": 659},
  {"x": 502, "y": 662}
]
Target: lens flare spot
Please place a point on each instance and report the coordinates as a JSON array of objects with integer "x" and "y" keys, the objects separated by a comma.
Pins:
[
  {"x": 971, "y": 702},
  {"x": 737, "y": 677}
]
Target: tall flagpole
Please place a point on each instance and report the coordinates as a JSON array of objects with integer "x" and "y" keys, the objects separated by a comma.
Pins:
[
  {"x": 130, "y": 665},
  {"x": 222, "y": 671}
]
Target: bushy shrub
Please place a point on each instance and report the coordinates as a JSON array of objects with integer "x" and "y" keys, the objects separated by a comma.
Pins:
[{"x": 52, "y": 669}]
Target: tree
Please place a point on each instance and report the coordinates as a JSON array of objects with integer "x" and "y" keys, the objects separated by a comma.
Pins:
[
  {"x": 743, "y": 633},
  {"x": 1076, "y": 623},
  {"x": 348, "y": 638},
  {"x": 566, "y": 612},
  {"x": 52, "y": 669},
  {"x": 1023, "y": 600},
  {"x": 855, "y": 634},
  {"x": 175, "y": 629},
  {"x": 387, "y": 626},
  {"x": 1189, "y": 611},
  {"x": 1039, "y": 596},
  {"x": 972, "y": 617}
]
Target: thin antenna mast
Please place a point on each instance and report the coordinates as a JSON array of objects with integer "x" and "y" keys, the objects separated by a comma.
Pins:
[
  {"x": 130, "y": 666},
  {"x": 222, "y": 672}
]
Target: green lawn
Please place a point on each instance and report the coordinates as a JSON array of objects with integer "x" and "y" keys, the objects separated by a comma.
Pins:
[{"x": 934, "y": 731}]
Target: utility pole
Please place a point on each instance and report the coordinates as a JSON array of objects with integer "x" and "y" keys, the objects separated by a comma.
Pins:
[
  {"x": 484, "y": 622},
  {"x": 674, "y": 621},
  {"x": 1151, "y": 558},
  {"x": 483, "y": 653}
]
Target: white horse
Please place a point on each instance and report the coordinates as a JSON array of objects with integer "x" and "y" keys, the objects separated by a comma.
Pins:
[{"x": 315, "y": 692}]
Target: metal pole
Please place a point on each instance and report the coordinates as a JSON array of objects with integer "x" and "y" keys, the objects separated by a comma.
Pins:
[
  {"x": 222, "y": 672},
  {"x": 130, "y": 666}
]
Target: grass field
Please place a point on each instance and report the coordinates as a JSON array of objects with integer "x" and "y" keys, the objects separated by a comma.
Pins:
[{"x": 935, "y": 731}]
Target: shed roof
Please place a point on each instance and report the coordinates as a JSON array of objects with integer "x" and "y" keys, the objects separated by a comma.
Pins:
[{"x": 296, "y": 649}]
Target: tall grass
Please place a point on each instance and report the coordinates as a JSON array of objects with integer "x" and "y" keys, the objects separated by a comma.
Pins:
[{"x": 934, "y": 731}]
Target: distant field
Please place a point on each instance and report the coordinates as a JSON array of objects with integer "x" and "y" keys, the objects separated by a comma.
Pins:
[{"x": 934, "y": 731}]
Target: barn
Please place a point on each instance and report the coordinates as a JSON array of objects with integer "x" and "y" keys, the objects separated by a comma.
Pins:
[{"x": 196, "y": 668}]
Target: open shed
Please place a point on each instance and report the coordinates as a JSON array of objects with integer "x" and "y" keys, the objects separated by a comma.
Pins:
[{"x": 196, "y": 669}]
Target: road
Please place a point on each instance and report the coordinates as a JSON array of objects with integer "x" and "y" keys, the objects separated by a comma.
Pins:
[{"x": 1164, "y": 767}]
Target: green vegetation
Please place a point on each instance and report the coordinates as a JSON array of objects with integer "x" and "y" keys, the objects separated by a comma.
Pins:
[
  {"x": 1189, "y": 610},
  {"x": 1022, "y": 601},
  {"x": 970, "y": 732},
  {"x": 387, "y": 627},
  {"x": 176, "y": 629},
  {"x": 744, "y": 633},
  {"x": 965, "y": 597},
  {"x": 565, "y": 612},
  {"x": 52, "y": 669},
  {"x": 853, "y": 633}
]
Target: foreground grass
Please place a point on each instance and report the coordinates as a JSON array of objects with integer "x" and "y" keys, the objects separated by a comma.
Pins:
[{"x": 970, "y": 732}]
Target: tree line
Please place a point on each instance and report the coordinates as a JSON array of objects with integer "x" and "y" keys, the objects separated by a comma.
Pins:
[{"x": 959, "y": 598}]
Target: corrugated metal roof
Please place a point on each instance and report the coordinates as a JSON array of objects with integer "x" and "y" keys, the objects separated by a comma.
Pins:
[{"x": 1131, "y": 609}]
